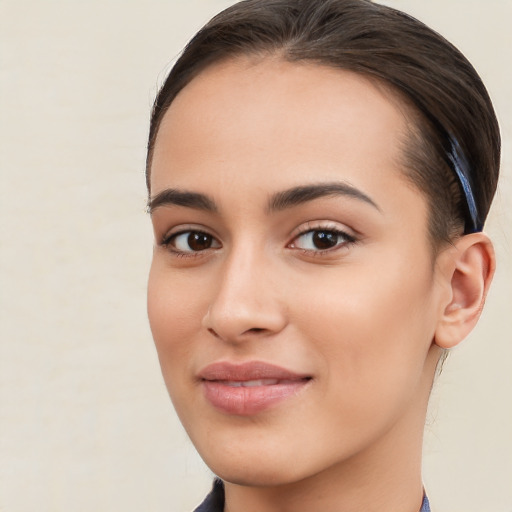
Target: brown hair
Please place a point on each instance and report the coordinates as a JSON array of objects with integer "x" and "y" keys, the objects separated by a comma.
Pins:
[{"x": 450, "y": 103}]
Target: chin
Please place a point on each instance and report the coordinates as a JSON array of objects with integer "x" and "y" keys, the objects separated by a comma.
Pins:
[
  {"x": 244, "y": 461},
  {"x": 256, "y": 475},
  {"x": 269, "y": 463}
]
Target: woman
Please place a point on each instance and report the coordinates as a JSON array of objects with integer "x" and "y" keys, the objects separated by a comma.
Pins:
[{"x": 319, "y": 173}]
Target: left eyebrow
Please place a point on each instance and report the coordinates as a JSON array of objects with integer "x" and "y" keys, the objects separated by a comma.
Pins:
[{"x": 303, "y": 194}]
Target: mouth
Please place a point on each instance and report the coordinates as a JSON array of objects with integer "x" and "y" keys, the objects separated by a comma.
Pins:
[
  {"x": 249, "y": 388},
  {"x": 254, "y": 383}
]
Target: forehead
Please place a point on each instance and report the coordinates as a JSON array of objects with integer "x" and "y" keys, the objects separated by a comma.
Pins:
[{"x": 275, "y": 124}]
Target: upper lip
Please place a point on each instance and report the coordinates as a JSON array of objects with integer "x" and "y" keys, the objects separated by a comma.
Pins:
[{"x": 252, "y": 370}]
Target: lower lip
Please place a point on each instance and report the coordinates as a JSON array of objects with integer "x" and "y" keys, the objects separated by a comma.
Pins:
[{"x": 246, "y": 401}]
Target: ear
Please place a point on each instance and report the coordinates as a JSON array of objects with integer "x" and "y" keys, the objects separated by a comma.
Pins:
[{"x": 468, "y": 268}]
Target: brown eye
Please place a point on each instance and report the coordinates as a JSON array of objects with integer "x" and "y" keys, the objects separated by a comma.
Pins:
[
  {"x": 192, "y": 241},
  {"x": 199, "y": 241},
  {"x": 322, "y": 240}
]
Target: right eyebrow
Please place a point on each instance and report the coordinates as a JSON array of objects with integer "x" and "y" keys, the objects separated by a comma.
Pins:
[{"x": 172, "y": 196}]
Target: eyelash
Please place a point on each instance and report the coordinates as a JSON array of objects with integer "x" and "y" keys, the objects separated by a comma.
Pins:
[
  {"x": 326, "y": 229},
  {"x": 349, "y": 240},
  {"x": 168, "y": 239}
]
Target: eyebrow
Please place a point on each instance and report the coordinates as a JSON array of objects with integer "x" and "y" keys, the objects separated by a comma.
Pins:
[
  {"x": 280, "y": 201},
  {"x": 302, "y": 194},
  {"x": 172, "y": 196}
]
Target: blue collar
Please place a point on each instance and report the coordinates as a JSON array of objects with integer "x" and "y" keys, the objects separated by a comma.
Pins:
[{"x": 425, "y": 506}]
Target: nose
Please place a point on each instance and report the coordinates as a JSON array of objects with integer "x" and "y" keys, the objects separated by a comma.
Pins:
[{"x": 246, "y": 302}]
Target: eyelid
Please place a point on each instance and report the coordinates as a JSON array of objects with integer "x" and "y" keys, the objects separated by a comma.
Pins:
[
  {"x": 326, "y": 226},
  {"x": 166, "y": 241},
  {"x": 185, "y": 228}
]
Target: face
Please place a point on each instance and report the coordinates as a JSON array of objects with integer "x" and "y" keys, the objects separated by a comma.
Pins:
[{"x": 292, "y": 295}]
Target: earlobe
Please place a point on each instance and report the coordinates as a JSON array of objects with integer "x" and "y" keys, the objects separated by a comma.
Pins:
[{"x": 470, "y": 265}]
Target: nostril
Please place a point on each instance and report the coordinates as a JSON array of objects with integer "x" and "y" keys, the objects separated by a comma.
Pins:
[
  {"x": 211, "y": 331},
  {"x": 255, "y": 330}
]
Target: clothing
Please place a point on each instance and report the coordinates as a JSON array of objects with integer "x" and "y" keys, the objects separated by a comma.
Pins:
[{"x": 214, "y": 502}]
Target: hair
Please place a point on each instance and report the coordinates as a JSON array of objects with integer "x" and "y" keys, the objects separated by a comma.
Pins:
[{"x": 446, "y": 100}]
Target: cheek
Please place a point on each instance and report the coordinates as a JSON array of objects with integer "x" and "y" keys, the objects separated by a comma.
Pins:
[
  {"x": 373, "y": 328},
  {"x": 175, "y": 314}
]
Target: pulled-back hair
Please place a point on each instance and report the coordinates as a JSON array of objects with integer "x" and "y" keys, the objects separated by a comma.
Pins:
[{"x": 453, "y": 126}]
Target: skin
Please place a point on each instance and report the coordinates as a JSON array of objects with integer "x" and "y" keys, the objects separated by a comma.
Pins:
[{"x": 365, "y": 319}]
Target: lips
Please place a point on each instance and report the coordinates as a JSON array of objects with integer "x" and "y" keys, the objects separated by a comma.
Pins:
[{"x": 249, "y": 388}]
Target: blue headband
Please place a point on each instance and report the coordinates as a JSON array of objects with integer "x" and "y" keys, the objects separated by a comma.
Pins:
[
  {"x": 457, "y": 162},
  {"x": 460, "y": 166}
]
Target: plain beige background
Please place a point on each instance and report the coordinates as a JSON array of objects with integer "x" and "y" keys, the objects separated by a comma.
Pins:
[{"x": 85, "y": 421}]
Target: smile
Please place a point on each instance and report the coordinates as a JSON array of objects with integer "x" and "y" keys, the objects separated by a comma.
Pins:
[
  {"x": 253, "y": 383},
  {"x": 249, "y": 388}
]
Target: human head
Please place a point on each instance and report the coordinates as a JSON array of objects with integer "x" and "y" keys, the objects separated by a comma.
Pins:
[
  {"x": 451, "y": 114},
  {"x": 315, "y": 260},
  {"x": 361, "y": 326}
]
